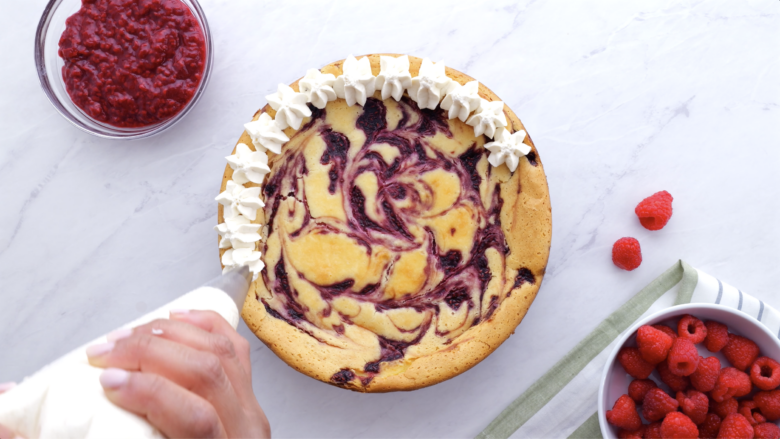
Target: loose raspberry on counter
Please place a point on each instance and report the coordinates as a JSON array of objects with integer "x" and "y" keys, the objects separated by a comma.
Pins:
[
  {"x": 767, "y": 430},
  {"x": 691, "y": 328},
  {"x": 725, "y": 407},
  {"x": 751, "y": 412},
  {"x": 639, "y": 388},
  {"x": 632, "y": 362},
  {"x": 694, "y": 404},
  {"x": 678, "y": 426},
  {"x": 735, "y": 426},
  {"x": 627, "y": 434},
  {"x": 731, "y": 383},
  {"x": 710, "y": 427},
  {"x": 683, "y": 357},
  {"x": 675, "y": 382},
  {"x": 717, "y": 336},
  {"x": 765, "y": 373},
  {"x": 706, "y": 374},
  {"x": 657, "y": 404},
  {"x": 654, "y": 211},
  {"x": 666, "y": 330},
  {"x": 626, "y": 253},
  {"x": 740, "y": 351},
  {"x": 653, "y": 431},
  {"x": 768, "y": 403},
  {"x": 624, "y": 414},
  {"x": 653, "y": 344}
]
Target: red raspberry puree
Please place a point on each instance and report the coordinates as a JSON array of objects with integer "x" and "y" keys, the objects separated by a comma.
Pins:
[{"x": 132, "y": 63}]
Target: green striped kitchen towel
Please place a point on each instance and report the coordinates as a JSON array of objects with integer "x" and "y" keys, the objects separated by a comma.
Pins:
[{"x": 563, "y": 402}]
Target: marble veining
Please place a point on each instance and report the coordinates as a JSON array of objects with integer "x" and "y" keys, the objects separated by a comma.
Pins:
[{"x": 622, "y": 99}]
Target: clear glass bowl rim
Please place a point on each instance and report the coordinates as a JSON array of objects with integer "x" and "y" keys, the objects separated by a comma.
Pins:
[{"x": 101, "y": 129}]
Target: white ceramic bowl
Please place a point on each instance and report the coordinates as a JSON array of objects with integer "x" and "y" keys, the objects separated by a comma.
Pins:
[{"x": 615, "y": 380}]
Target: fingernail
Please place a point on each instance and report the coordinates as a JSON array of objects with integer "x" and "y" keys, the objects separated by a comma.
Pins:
[
  {"x": 179, "y": 312},
  {"x": 119, "y": 334},
  {"x": 4, "y": 387},
  {"x": 99, "y": 350},
  {"x": 112, "y": 378}
]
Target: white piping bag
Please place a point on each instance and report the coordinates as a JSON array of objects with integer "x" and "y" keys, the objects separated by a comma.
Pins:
[{"x": 65, "y": 398}]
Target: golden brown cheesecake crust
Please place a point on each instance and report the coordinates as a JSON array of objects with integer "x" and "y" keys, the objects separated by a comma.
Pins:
[{"x": 453, "y": 251}]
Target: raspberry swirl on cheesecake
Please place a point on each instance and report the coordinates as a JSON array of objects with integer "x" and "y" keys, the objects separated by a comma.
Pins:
[{"x": 395, "y": 255}]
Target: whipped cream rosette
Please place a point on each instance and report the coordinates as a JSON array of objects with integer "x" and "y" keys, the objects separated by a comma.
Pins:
[
  {"x": 430, "y": 84},
  {"x": 488, "y": 118},
  {"x": 401, "y": 231},
  {"x": 265, "y": 133},
  {"x": 462, "y": 100},
  {"x": 240, "y": 200},
  {"x": 238, "y": 232},
  {"x": 356, "y": 82},
  {"x": 394, "y": 77},
  {"x": 248, "y": 165},
  {"x": 290, "y": 106},
  {"x": 318, "y": 87},
  {"x": 507, "y": 148}
]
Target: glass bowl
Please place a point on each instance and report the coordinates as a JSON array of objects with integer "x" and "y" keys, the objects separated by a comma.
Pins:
[{"x": 49, "y": 66}]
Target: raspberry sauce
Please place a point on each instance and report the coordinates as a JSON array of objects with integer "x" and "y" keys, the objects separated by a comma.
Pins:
[{"x": 132, "y": 63}]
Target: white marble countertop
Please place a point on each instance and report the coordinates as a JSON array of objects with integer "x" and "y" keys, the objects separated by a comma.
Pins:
[{"x": 622, "y": 99}]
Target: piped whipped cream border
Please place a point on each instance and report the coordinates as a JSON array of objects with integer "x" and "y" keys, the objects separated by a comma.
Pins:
[{"x": 431, "y": 88}]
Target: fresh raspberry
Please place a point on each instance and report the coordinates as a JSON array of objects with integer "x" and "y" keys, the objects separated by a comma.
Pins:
[
  {"x": 657, "y": 404},
  {"x": 639, "y": 388},
  {"x": 683, "y": 357},
  {"x": 709, "y": 428},
  {"x": 740, "y": 351},
  {"x": 717, "y": 336},
  {"x": 666, "y": 330},
  {"x": 624, "y": 414},
  {"x": 765, "y": 373},
  {"x": 627, "y": 434},
  {"x": 731, "y": 383},
  {"x": 653, "y": 431},
  {"x": 678, "y": 426},
  {"x": 676, "y": 383},
  {"x": 632, "y": 362},
  {"x": 749, "y": 410},
  {"x": 626, "y": 253},
  {"x": 768, "y": 403},
  {"x": 692, "y": 328},
  {"x": 654, "y": 211},
  {"x": 653, "y": 344},
  {"x": 706, "y": 374},
  {"x": 767, "y": 430},
  {"x": 724, "y": 408},
  {"x": 694, "y": 404},
  {"x": 735, "y": 426}
]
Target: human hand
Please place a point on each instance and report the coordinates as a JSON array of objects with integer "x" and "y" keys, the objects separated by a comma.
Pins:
[{"x": 189, "y": 376}]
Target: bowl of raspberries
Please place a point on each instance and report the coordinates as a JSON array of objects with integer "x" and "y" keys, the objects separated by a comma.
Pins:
[{"x": 692, "y": 371}]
